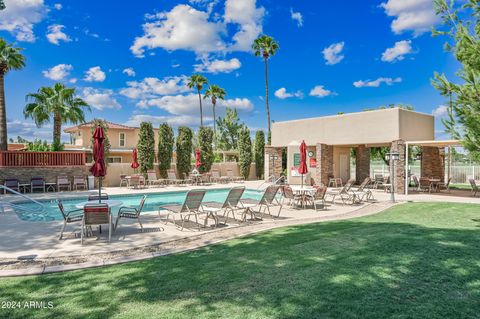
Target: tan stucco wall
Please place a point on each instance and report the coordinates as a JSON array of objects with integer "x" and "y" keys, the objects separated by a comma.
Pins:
[{"x": 370, "y": 127}]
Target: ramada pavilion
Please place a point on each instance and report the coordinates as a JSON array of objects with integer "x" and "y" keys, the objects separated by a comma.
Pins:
[{"x": 329, "y": 141}]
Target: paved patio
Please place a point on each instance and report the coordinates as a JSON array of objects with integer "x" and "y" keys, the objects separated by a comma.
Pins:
[{"x": 37, "y": 242}]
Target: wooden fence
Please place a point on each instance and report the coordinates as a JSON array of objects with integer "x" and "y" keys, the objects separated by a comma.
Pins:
[{"x": 41, "y": 159}]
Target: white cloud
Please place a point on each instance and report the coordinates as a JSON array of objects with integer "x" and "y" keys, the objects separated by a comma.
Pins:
[
  {"x": 332, "y": 54},
  {"x": 58, "y": 72},
  {"x": 95, "y": 74},
  {"x": 440, "y": 111},
  {"x": 218, "y": 66},
  {"x": 28, "y": 130},
  {"x": 55, "y": 34},
  {"x": 100, "y": 99},
  {"x": 73, "y": 80},
  {"x": 376, "y": 83},
  {"x": 320, "y": 91},
  {"x": 186, "y": 28},
  {"x": 297, "y": 16},
  {"x": 20, "y": 16},
  {"x": 152, "y": 87},
  {"x": 58, "y": 6},
  {"x": 174, "y": 120},
  {"x": 282, "y": 94},
  {"x": 411, "y": 15},
  {"x": 129, "y": 71},
  {"x": 398, "y": 52}
]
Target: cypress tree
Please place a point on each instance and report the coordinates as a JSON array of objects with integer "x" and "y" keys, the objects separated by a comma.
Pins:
[
  {"x": 184, "y": 148},
  {"x": 146, "y": 147},
  {"x": 245, "y": 150},
  {"x": 166, "y": 141},
  {"x": 259, "y": 153},
  {"x": 205, "y": 139}
]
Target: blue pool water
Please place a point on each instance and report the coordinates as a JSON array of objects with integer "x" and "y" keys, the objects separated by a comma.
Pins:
[{"x": 154, "y": 200}]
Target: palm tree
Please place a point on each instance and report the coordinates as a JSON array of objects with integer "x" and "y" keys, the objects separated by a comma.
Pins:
[
  {"x": 214, "y": 92},
  {"x": 198, "y": 81},
  {"x": 2, "y": 5},
  {"x": 10, "y": 59},
  {"x": 266, "y": 47},
  {"x": 58, "y": 102}
]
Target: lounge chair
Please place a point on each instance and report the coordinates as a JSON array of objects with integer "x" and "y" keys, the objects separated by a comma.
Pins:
[
  {"x": 425, "y": 185},
  {"x": 267, "y": 201},
  {"x": 379, "y": 181},
  {"x": 96, "y": 214},
  {"x": 191, "y": 206},
  {"x": 230, "y": 205},
  {"x": 72, "y": 216},
  {"x": 474, "y": 187},
  {"x": 445, "y": 186},
  {"x": 13, "y": 184},
  {"x": 37, "y": 183},
  {"x": 289, "y": 196},
  {"x": 79, "y": 182},
  {"x": 63, "y": 182},
  {"x": 335, "y": 182},
  {"x": 234, "y": 178},
  {"x": 318, "y": 196},
  {"x": 97, "y": 197},
  {"x": 415, "y": 184},
  {"x": 152, "y": 179},
  {"x": 172, "y": 178},
  {"x": 131, "y": 213},
  {"x": 344, "y": 193},
  {"x": 362, "y": 192}
]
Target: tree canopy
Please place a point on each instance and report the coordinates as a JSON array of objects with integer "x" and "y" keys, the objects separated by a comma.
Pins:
[
  {"x": 146, "y": 147},
  {"x": 229, "y": 128},
  {"x": 166, "y": 140}
]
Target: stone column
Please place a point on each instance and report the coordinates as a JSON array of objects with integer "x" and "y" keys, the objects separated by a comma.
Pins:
[
  {"x": 324, "y": 167},
  {"x": 398, "y": 146},
  {"x": 433, "y": 162},
  {"x": 272, "y": 168},
  {"x": 362, "y": 163}
]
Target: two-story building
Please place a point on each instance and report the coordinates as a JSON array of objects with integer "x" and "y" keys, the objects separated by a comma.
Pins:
[{"x": 123, "y": 139}]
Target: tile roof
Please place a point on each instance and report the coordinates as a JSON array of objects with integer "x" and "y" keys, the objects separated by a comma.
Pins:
[{"x": 109, "y": 124}]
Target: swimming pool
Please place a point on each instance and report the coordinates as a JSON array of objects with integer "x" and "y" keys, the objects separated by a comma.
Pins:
[{"x": 154, "y": 200}]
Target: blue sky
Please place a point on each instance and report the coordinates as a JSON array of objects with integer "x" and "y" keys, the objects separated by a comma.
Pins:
[{"x": 130, "y": 62}]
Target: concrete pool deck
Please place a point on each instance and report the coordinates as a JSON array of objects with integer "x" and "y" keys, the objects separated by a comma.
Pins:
[{"x": 34, "y": 247}]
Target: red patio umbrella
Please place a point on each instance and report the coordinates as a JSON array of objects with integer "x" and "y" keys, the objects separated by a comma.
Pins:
[
  {"x": 98, "y": 168},
  {"x": 303, "y": 160},
  {"x": 134, "y": 164},
  {"x": 198, "y": 161}
]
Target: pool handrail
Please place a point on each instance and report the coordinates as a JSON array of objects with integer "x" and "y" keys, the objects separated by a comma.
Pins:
[{"x": 19, "y": 207}]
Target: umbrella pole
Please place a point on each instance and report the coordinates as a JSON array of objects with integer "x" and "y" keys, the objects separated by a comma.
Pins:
[{"x": 302, "y": 180}]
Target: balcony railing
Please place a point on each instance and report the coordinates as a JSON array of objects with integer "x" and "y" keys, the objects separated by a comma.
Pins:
[{"x": 41, "y": 159}]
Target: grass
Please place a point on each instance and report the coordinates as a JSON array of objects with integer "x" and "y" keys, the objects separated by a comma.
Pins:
[{"x": 415, "y": 260}]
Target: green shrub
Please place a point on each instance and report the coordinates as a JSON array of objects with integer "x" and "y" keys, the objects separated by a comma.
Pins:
[
  {"x": 259, "y": 153},
  {"x": 205, "y": 140},
  {"x": 184, "y": 149},
  {"x": 166, "y": 140},
  {"x": 245, "y": 150},
  {"x": 146, "y": 147}
]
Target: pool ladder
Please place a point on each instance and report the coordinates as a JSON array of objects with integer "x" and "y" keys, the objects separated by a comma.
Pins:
[{"x": 3, "y": 204}]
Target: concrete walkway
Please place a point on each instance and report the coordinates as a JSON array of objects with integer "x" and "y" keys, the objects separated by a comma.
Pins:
[{"x": 34, "y": 248}]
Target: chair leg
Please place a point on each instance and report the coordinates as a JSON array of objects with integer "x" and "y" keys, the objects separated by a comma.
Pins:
[
  {"x": 82, "y": 233},
  {"x": 63, "y": 228},
  {"x": 141, "y": 226},
  {"x": 110, "y": 229},
  {"x": 116, "y": 223}
]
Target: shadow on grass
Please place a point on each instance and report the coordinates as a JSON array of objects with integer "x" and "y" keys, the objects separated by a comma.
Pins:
[{"x": 349, "y": 269}]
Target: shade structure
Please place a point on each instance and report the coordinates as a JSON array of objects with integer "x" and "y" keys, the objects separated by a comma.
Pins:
[
  {"x": 303, "y": 160},
  {"x": 198, "y": 161},
  {"x": 134, "y": 164},
  {"x": 98, "y": 168}
]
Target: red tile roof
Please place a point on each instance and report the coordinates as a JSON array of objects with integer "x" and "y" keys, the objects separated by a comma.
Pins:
[{"x": 109, "y": 124}]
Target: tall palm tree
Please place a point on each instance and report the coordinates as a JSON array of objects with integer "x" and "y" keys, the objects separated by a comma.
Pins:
[
  {"x": 214, "y": 92},
  {"x": 266, "y": 46},
  {"x": 198, "y": 81},
  {"x": 58, "y": 102},
  {"x": 10, "y": 59}
]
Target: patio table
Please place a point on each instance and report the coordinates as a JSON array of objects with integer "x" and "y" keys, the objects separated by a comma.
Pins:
[
  {"x": 303, "y": 190},
  {"x": 109, "y": 202},
  {"x": 23, "y": 188},
  {"x": 197, "y": 178},
  {"x": 434, "y": 183},
  {"x": 50, "y": 187}
]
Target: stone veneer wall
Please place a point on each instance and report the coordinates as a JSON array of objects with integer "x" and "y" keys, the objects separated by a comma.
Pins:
[
  {"x": 433, "y": 162},
  {"x": 269, "y": 165},
  {"x": 362, "y": 163},
  {"x": 24, "y": 174},
  {"x": 324, "y": 169},
  {"x": 399, "y": 147}
]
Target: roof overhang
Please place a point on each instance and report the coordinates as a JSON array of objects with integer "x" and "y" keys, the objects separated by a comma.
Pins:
[{"x": 436, "y": 143}]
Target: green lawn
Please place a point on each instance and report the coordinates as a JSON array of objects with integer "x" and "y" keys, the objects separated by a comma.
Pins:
[{"x": 413, "y": 261}]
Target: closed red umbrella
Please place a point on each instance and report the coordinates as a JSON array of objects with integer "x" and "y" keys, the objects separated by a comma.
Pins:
[
  {"x": 98, "y": 168},
  {"x": 303, "y": 160},
  {"x": 134, "y": 164},
  {"x": 198, "y": 161}
]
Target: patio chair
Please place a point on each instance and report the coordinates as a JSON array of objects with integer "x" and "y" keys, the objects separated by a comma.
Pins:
[
  {"x": 415, "y": 184},
  {"x": 12, "y": 183},
  {"x": 79, "y": 182},
  {"x": 335, "y": 182},
  {"x": 191, "y": 206},
  {"x": 172, "y": 178},
  {"x": 425, "y": 184},
  {"x": 63, "y": 182},
  {"x": 474, "y": 187},
  {"x": 318, "y": 196},
  {"x": 72, "y": 216},
  {"x": 37, "y": 183},
  {"x": 344, "y": 193},
  {"x": 124, "y": 180},
  {"x": 136, "y": 181},
  {"x": 362, "y": 192},
  {"x": 215, "y": 176},
  {"x": 131, "y": 213},
  {"x": 152, "y": 179},
  {"x": 379, "y": 181},
  {"x": 96, "y": 214},
  {"x": 96, "y": 197},
  {"x": 234, "y": 178},
  {"x": 445, "y": 186},
  {"x": 267, "y": 201},
  {"x": 289, "y": 196},
  {"x": 230, "y": 205}
]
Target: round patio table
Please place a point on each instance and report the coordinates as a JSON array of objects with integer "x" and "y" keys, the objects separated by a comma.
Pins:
[
  {"x": 303, "y": 190},
  {"x": 109, "y": 202}
]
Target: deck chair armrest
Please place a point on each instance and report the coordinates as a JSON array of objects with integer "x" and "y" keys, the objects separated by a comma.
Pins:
[
  {"x": 127, "y": 208},
  {"x": 74, "y": 211}
]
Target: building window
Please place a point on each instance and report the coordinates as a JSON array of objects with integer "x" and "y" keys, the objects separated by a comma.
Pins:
[
  {"x": 122, "y": 139},
  {"x": 114, "y": 159}
]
